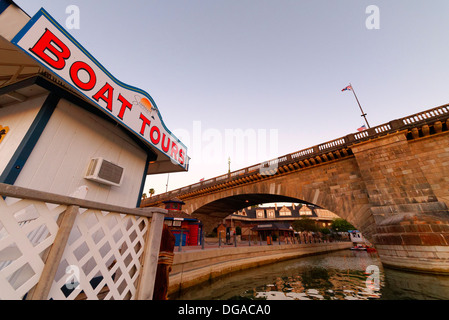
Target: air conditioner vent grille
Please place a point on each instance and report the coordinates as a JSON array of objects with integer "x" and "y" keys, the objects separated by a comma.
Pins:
[
  {"x": 110, "y": 172},
  {"x": 104, "y": 172}
]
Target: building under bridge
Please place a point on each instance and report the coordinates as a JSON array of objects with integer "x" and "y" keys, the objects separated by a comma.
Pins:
[{"x": 275, "y": 220}]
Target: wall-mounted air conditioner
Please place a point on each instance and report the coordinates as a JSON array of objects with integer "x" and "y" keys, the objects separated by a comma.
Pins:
[{"x": 105, "y": 172}]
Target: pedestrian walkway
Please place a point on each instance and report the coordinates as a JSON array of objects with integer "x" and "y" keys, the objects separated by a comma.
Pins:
[{"x": 215, "y": 243}]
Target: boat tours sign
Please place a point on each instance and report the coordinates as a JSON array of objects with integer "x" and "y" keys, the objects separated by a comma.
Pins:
[{"x": 47, "y": 42}]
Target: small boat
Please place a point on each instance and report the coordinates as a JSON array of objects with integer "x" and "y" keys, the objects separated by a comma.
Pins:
[
  {"x": 359, "y": 247},
  {"x": 363, "y": 247}
]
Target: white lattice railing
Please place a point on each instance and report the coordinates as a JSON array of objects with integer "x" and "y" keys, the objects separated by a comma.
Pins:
[{"x": 57, "y": 247}]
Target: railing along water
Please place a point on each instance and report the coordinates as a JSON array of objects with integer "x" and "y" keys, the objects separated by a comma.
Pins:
[{"x": 58, "y": 247}]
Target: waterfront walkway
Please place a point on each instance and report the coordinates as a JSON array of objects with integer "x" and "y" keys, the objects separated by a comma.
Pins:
[{"x": 194, "y": 265}]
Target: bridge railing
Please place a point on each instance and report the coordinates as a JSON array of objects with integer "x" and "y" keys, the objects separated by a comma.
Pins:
[
  {"x": 418, "y": 119},
  {"x": 64, "y": 248}
]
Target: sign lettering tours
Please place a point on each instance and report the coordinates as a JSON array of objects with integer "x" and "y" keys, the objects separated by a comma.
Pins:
[{"x": 47, "y": 42}]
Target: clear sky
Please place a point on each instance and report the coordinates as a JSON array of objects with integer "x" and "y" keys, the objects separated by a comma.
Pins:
[{"x": 267, "y": 71}]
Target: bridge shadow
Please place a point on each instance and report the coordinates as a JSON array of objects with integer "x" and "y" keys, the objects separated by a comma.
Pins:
[
  {"x": 213, "y": 213},
  {"x": 225, "y": 206}
]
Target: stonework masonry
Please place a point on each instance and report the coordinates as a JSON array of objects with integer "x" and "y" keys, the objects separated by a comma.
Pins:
[{"x": 407, "y": 185}]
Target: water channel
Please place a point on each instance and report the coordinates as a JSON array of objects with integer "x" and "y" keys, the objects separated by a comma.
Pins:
[{"x": 340, "y": 275}]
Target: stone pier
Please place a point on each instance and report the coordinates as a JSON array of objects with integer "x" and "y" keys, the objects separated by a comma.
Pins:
[{"x": 405, "y": 181}]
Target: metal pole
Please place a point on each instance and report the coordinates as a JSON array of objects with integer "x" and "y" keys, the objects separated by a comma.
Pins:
[
  {"x": 363, "y": 113},
  {"x": 166, "y": 186},
  {"x": 180, "y": 242}
]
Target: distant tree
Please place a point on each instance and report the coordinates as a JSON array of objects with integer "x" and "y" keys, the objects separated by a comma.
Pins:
[
  {"x": 304, "y": 224},
  {"x": 144, "y": 196},
  {"x": 151, "y": 191},
  {"x": 341, "y": 225}
]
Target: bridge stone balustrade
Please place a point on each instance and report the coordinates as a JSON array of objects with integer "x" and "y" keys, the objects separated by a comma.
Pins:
[{"x": 390, "y": 181}]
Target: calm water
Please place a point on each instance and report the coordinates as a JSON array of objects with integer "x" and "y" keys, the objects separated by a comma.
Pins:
[{"x": 340, "y": 275}]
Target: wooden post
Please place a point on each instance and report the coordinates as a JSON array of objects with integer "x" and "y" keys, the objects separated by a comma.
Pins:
[
  {"x": 164, "y": 264},
  {"x": 151, "y": 256},
  {"x": 42, "y": 289},
  {"x": 202, "y": 239}
]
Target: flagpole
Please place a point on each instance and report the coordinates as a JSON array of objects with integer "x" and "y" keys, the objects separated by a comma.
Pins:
[{"x": 363, "y": 113}]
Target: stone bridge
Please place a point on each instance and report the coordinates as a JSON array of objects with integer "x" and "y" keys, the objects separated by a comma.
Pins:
[{"x": 390, "y": 181}]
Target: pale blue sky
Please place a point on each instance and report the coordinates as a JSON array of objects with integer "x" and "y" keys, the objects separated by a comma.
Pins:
[{"x": 259, "y": 64}]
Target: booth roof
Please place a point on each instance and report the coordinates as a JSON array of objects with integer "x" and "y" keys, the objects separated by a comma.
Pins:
[
  {"x": 174, "y": 200},
  {"x": 17, "y": 67},
  {"x": 171, "y": 214}
]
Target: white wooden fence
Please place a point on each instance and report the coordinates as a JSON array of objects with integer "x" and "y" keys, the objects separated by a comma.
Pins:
[{"x": 58, "y": 247}]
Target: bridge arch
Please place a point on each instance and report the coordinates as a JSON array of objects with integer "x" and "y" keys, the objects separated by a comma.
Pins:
[{"x": 350, "y": 202}]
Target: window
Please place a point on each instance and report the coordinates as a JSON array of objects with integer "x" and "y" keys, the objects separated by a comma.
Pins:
[
  {"x": 285, "y": 212},
  {"x": 270, "y": 213},
  {"x": 260, "y": 213},
  {"x": 305, "y": 211},
  {"x": 176, "y": 223}
]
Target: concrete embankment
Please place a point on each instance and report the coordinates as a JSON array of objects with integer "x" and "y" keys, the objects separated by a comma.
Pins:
[{"x": 196, "y": 266}]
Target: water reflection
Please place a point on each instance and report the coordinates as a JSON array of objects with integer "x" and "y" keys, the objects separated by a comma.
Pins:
[
  {"x": 408, "y": 285},
  {"x": 342, "y": 275},
  {"x": 317, "y": 284},
  {"x": 338, "y": 276}
]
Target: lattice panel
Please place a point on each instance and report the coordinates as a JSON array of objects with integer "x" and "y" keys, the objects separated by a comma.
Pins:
[
  {"x": 27, "y": 229},
  {"x": 102, "y": 257}
]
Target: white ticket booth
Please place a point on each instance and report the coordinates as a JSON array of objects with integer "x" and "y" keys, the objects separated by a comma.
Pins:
[
  {"x": 76, "y": 144},
  {"x": 66, "y": 122}
]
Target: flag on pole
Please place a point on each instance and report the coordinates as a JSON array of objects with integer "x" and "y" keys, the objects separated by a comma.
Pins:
[
  {"x": 361, "y": 128},
  {"x": 346, "y": 88}
]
